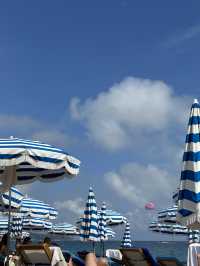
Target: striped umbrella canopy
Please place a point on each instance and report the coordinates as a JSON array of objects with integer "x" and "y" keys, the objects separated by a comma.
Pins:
[
  {"x": 109, "y": 233},
  {"x": 89, "y": 223},
  {"x": 168, "y": 215},
  {"x": 126, "y": 241},
  {"x": 102, "y": 223},
  {"x": 166, "y": 222},
  {"x": 64, "y": 229},
  {"x": 37, "y": 209},
  {"x": 189, "y": 190},
  {"x": 113, "y": 217},
  {"x": 17, "y": 225},
  {"x": 165, "y": 228},
  {"x": 16, "y": 199},
  {"x": 24, "y": 161},
  {"x": 36, "y": 224}
]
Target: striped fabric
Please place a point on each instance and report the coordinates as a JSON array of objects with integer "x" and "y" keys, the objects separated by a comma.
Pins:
[
  {"x": 113, "y": 217},
  {"x": 189, "y": 190},
  {"x": 166, "y": 222},
  {"x": 37, "y": 209},
  {"x": 89, "y": 223},
  {"x": 4, "y": 227},
  {"x": 36, "y": 224},
  {"x": 64, "y": 229},
  {"x": 102, "y": 223},
  {"x": 168, "y": 215},
  {"x": 109, "y": 233},
  {"x": 23, "y": 161},
  {"x": 16, "y": 198},
  {"x": 194, "y": 236},
  {"x": 126, "y": 241},
  {"x": 16, "y": 226},
  {"x": 168, "y": 228},
  {"x": 175, "y": 196}
]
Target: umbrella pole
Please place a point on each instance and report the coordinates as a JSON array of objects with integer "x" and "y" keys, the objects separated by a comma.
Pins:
[
  {"x": 103, "y": 248},
  {"x": 9, "y": 220},
  {"x": 93, "y": 246}
]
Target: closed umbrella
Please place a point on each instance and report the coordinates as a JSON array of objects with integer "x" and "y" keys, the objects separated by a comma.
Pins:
[
  {"x": 102, "y": 226},
  {"x": 17, "y": 226},
  {"x": 89, "y": 223},
  {"x": 126, "y": 241},
  {"x": 188, "y": 198},
  {"x": 102, "y": 223}
]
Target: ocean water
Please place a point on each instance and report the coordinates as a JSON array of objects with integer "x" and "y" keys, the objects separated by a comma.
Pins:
[{"x": 157, "y": 249}]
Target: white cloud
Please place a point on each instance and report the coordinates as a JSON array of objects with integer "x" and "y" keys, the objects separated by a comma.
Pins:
[
  {"x": 140, "y": 184},
  {"x": 75, "y": 206},
  {"x": 28, "y": 127},
  {"x": 181, "y": 37},
  {"x": 129, "y": 111},
  {"x": 54, "y": 137},
  {"x": 15, "y": 124}
]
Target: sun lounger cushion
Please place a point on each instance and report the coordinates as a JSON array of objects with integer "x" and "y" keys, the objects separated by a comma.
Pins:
[
  {"x": 114, "y": 254},
  {"x": 168, "y": 261},
  {"x": 35, "y": 254},
  {"x": 137, "y": 257}
]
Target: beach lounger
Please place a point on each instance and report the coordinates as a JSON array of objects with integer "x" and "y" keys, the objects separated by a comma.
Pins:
[
  {"x": 35, "y": 254},
  {"x": 137, "y": 257},
  {"x": 168, "y": 261}
]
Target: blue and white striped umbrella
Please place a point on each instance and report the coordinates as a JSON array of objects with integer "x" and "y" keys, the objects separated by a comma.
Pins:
[
  {"x": 102, "y": 223},
  {"x": 126, "y": 241},
  {"x": 17, "y": 226},
  {"x": 23, "y": 161},
  {"x": 166, "y": 228},
  {"x": 109, "y": 233},
  {"x": 64, "y": 229},
  {"x": 37, "y": 209},
  {"x": 168, "y": 215},
  {"x": 36, "y": 224},
  {"x": 89, "y": 223},
  {"x": 16, "y": 198},
  {"x": 189, "y": 190},
  {"x": 114, "y": 218}
]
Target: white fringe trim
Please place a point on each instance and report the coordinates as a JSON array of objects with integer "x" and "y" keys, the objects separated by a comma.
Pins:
[{"x": 192, "y": 221}]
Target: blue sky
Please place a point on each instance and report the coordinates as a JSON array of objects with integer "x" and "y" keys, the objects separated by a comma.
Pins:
[{"x": 112, "y": 82}]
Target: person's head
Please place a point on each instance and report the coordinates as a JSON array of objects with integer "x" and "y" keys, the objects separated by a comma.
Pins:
[
  {"x": 27, "y": 240},
  {"x": 4, "y": 240},
  {"x": 47, "y": 240}
]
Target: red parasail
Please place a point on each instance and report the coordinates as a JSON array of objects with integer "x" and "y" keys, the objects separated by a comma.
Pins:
[{"x": 149, "y": 206}]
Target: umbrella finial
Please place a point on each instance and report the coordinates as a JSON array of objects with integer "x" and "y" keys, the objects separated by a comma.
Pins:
[{"x": 196, "y": 101}]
